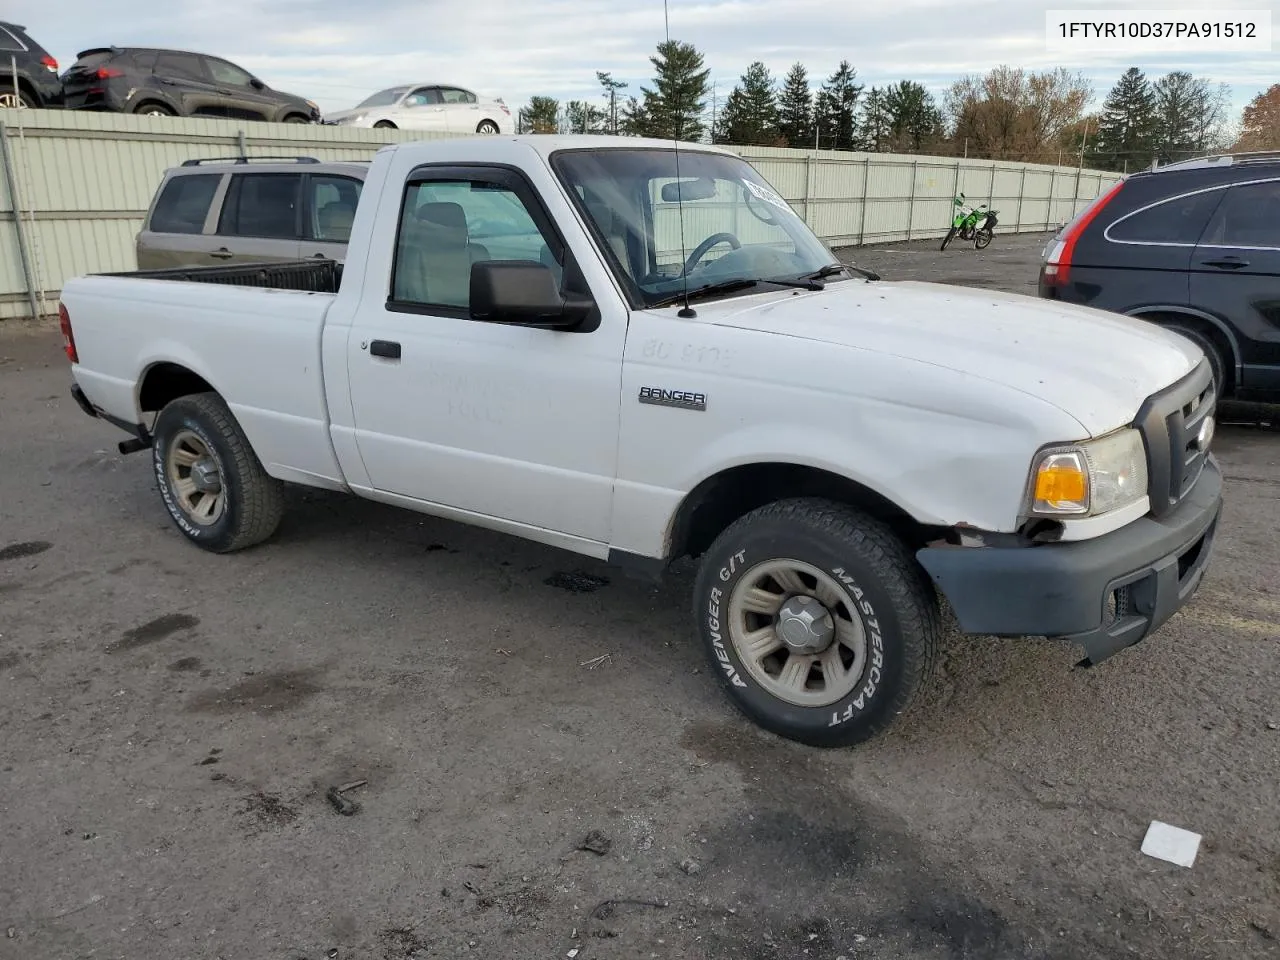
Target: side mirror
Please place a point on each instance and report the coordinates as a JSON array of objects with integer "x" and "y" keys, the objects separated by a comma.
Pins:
[
  {"x": 524, "y": 293},
  {"x": 257, "y": 84}
]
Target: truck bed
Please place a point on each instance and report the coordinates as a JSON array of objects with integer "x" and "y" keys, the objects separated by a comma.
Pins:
[{"x": 312, "y": 275}]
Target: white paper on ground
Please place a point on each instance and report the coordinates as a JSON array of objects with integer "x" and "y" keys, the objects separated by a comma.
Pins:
[{"x": 1165, "y": 842}]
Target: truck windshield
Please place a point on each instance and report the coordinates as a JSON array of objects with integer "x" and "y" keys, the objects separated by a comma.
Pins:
[{"x": 735, "y": 226}]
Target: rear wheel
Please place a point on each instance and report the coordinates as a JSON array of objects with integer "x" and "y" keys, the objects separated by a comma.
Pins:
[
  {"x": 153, "y": 110},
  {"x": 211, "y": 481},
  {"x": 951, "y": 235},
  {"x": 817, "y": 620},
  {"x": 487, "y": 127},
  {"x": 384, "y": 125},
  {"x": 21, "y": 100},
  {"x": 983, "y": 238}
]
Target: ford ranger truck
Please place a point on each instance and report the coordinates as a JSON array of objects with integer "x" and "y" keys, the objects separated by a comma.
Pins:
[{"x": 639, "y": 352}]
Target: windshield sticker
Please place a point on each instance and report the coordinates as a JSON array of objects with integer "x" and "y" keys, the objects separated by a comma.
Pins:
[{"x": 765, "y": 194}]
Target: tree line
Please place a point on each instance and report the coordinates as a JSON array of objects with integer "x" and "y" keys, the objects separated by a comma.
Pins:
[{"x": 1006, "y": 114}]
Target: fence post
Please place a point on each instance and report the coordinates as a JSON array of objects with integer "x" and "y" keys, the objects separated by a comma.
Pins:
[
  {"x": 244, "y": 153},
  {"x": 808, "y": 190},
  {"x": 1053, "y": 198},
  {"x": 1022, "y": 192},
  {"x": 24, "y": 253},
  {"x": 1075, "y": 199},
  {"x": 991, "y": 188},
  {"x": 911, "y": 202},
  {"x": 866, "y": 196}
]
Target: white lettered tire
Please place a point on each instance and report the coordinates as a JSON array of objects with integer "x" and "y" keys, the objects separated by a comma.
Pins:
[
  {"x": 817, "y": 620},
  {"x": 212, "y": 483}
]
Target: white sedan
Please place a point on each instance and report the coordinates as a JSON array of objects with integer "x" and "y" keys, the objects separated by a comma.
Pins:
[{"x": 431, "y": 108}]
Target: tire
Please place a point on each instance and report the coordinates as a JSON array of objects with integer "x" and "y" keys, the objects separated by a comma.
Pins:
[
  {"x": 385, "y": 125},
  {"x": 296, "y": 118},
  {"x": 983, "y": 238},
  {"x": 153, "y": 109},
  {"x": 20, "y": 100},
  {"x": 951, "y": 235},
  {"x": 488, "y": 128},
  {"x": 886, "y": 621},
  {"x": 198, "y": 434},
  {"x": 1216, "y": 361}
]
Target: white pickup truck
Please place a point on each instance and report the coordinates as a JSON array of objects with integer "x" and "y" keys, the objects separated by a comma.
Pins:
[{"x": 640, "y": 353}]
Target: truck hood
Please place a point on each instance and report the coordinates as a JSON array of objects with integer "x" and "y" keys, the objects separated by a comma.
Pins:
[{"x": 1096, "y": 366}]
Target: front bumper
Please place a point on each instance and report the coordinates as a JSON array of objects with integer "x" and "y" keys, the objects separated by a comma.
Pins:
[{"x": 1105, "y": 594}]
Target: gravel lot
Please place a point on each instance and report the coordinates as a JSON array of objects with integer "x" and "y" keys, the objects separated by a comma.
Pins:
[{"x": 172, "y": 721}]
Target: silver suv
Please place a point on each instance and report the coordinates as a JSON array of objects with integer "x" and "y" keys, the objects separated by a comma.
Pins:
[{"x": 241, "y": 210}]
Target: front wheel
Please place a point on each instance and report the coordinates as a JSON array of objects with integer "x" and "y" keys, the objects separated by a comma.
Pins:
[
  {"x": 211, "y": 481},
  {"x": 951, "y": 235},
  {"x": 817, "y": 620}
]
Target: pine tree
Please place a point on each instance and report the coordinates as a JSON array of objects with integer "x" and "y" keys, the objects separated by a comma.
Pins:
[
  {"x": 1127, "y": 127},
  {"x": 582, "y": 117},
  {"x": 542, "y": 115},
  {"x": 750, "y": 114},
  {"x": 611, "y": 88},
  {"x": 874, "y": 123},
  {"x": 674, "y": 109},
  {"x": 835, "y": 109},
  {"x": 1189, "y": 116},
  {"x": 915, "y": 122},
  {"x": 795, "y": 108}
]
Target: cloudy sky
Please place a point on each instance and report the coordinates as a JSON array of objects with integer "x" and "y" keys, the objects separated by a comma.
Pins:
[{"x": 338, "y": 51}]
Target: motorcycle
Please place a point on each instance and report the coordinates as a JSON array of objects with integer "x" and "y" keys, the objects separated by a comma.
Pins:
[{"x": 971, "y": 223}]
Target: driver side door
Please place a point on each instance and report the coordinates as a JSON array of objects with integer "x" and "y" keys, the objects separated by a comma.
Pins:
[{"x": 494, "y": 420}]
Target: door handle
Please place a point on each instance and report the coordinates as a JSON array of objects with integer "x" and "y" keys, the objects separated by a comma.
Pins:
[
  {"x": 384, "y": 348},
  {"x": 222, "y": 253},
  {"x": 1226, "y": 263}
]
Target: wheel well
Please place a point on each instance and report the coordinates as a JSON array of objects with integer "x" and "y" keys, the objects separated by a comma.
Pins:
[
  {"x": 386, "y": 125},
  {"x": 720, "y": 500},
  {"x": 166, "y": 382},
  {"x": 1210, "y": 330},
  {"x": 152, "y": 102},
  {"x": 25, "y": 86},
  {"x": 301, "y": 116}
]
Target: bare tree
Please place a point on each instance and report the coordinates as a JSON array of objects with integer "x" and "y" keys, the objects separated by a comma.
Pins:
[{"x": 1011, "y": 114}]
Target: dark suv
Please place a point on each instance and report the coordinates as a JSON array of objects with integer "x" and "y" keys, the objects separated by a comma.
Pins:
[
  {"x": 174, "y": 83},
  {"x": 37, "y": 75},
  {"x": 1194, "y": 246}
]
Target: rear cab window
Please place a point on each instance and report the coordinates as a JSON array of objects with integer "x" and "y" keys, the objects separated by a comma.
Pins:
[{"x": 184, "y": 203}]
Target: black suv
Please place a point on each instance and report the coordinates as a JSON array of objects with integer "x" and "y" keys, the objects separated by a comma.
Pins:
[
  {"x": 174, "y": 83},
  {"x": 37, "y": 76},
  {"x": 1194, "y": 246}
]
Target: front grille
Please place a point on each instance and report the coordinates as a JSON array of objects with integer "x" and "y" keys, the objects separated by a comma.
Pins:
[{"x": 1170, "y": 422}]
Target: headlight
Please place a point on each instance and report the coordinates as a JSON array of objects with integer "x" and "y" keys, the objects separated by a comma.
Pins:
[{"x": 1087, "y": 479}]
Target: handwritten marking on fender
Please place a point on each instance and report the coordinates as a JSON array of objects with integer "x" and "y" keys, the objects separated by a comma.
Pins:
[
  {"x": 874, "y": 673},
  {"x": 716, "y": 627}
]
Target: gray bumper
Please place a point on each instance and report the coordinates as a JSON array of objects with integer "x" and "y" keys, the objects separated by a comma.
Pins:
[{"x": 1151, "y": 568}]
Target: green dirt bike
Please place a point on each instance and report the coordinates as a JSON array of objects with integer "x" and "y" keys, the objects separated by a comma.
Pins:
[{"x": 971, "y": 223}]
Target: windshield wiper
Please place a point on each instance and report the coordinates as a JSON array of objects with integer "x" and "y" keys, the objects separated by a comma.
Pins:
[
  {"x": 724, "y": 286},
  {"x": 831, "y": 269}
]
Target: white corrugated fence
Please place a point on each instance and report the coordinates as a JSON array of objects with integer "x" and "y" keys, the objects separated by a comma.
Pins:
[{"x": 83, "y": 182}]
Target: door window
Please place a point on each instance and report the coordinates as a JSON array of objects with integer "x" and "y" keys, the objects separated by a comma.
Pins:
[
  {"x": 454, "y": 95},
  {"x": 333, "y": 207},
  {"x": 424, "y": 97},
  {"x": 181, "y": 66},
  {"x": 446, "y": 226},
  {"x": 1178, "y": 221},
  {"x": 184, "y": 203},
  {"x": 1248, "y": 217},
  {"x": 227, "y": 73},
  {"x": 262, "y": 205}
]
